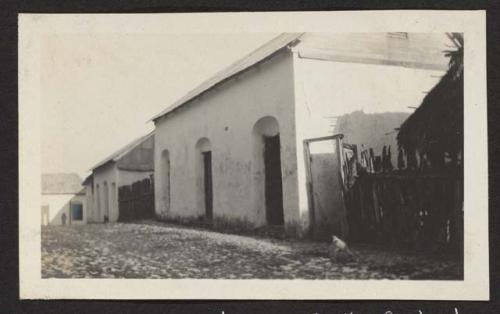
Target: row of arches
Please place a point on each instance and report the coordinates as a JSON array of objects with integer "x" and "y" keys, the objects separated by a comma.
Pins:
[
  {"x": 266, "y": 172},
  {"x": 105, "y": 199}
]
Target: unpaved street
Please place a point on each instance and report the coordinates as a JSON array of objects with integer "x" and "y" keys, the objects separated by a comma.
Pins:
[{"x": 156, "y": 250}]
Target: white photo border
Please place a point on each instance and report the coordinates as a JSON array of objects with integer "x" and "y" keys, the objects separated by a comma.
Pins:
[{"x": 475, "y": 286}]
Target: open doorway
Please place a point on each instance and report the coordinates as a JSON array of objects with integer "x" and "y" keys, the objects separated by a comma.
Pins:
[
  {"x": 207, "y": 183},
  {"x": 273, "y": 180},
  {"x": 204, "y": 177},
  {"x": 106, "y": 201},
  {"x": 98, "y": 216},
  {"x": 267, "y": 176}
]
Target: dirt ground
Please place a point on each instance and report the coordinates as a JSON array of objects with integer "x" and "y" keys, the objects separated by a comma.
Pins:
[{"x": 160, "y": 250}]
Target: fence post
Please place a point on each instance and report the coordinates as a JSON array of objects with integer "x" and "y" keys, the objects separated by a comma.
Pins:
[{"x": 344, "y": 227}]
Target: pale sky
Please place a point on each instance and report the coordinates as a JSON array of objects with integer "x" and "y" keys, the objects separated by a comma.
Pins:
[{"x": 99, "y": 91}]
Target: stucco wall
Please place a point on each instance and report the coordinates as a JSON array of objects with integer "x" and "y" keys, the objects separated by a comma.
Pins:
[
  {"x": 109, "y": 174},
  {"x": 226, "y": 117},
  {"x": 326, "y": 90},
  {"x": 89, "y": 200},
  {"x": 59, "y": 204}
]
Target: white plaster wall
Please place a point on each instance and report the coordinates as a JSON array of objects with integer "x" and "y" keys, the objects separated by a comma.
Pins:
[
  {"x": 89, "y": 200},
  {"x": 226, "y": 117},
  {"x": 107, "y": 173},
  {"x": 59, "y": 204},
  {"x": 325, "y": 89},
  {"x": 111, "y": 174}
]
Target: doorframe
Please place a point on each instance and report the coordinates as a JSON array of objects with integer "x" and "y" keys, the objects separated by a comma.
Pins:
[
  {"x": 307, "y": 159},
  {"x": 267, "y": 209}
]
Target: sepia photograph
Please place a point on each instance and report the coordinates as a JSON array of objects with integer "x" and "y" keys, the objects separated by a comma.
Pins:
[{"x": 318, "y": 156}]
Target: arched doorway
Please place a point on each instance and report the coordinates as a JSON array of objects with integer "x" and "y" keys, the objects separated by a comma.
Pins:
[
  {"x": 114, "y": 197},
  {"x": 98, "y": 204},
  {"x": 267, "y": 169},
  {"x": 204, "y": 176}
]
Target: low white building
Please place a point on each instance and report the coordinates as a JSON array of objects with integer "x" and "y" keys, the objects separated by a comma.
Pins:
[
  {"x": 130, "y": 164},
  {"x": 63, "y": 199},
  {"x": 235, "y": 149}
]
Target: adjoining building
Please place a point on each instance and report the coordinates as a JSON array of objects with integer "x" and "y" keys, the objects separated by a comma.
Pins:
[
  {"x": 130, "y": 164},
  {"x": 63, "y": 199},
  {"x": 252, "y": 146}
]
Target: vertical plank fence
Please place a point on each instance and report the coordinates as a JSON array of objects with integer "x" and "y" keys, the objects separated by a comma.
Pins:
[
  {"x": 418, "y": 207},
  {"x": 136, "y": 201}
]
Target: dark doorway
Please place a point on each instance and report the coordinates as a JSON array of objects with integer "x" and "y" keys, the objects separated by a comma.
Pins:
[
  {"x": 274, "y": 192},
  {"x": 207, "y": 178},
  {"x": 76, "y": 211}
]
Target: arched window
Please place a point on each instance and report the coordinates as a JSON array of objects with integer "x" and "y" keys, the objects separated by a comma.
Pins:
[{"x": 266, "y": 167}]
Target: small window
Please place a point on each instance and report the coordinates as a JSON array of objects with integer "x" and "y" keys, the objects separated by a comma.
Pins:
[{"x": 76, "y": 211}]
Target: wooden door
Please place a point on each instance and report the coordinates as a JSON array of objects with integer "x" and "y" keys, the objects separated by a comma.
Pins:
[
  {"x": 323, "y": 157},
  {"x": 207, "y": 178},
  {"x": 274, "y": 184}
]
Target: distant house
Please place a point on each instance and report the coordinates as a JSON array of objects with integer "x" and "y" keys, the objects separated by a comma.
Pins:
[
  {"x": 63, "y": 199},
  {"x": 238, "y": 149},
  {"x": 128, "y": 165}
]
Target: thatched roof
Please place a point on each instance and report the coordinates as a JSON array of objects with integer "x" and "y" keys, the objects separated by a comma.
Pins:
[{"x": 437, "y": 124}]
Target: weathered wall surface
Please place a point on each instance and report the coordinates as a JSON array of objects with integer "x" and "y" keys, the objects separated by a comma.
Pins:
[
  {"x": 226, "y": 117},
  {"x": 59, "y": 204},
  {"x": 140, "y": 158},
  {"x": 106, "y": 174},
  {"x": 326, "y": 90}
]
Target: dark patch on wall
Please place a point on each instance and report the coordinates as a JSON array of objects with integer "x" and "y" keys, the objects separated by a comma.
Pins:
[{"x": 141, "y": 158}]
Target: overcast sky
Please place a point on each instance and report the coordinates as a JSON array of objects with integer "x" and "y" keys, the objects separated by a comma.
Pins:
[{"x": 99, "y": 91}]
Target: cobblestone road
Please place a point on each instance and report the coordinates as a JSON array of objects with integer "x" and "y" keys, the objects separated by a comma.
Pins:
[{"x": 154, "y": 250}]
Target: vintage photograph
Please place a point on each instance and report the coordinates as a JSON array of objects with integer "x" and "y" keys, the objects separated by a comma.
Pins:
[
  {"x": 313, "y": 156},
  {"x": 248, "y": 157}
]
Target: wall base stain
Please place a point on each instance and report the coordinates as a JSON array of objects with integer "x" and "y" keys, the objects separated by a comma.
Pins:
[{"x": 232, "y": 225}]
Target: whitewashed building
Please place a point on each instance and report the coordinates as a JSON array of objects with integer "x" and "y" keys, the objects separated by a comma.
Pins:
[
  {"x": 63, "y": 199},
  {"x": 233, "y": 150},
  {"x": 128, "y": 165}
]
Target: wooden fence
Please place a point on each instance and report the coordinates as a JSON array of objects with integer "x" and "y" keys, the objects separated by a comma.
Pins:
[
  {"x": 136, "y": 201},
  {"x": 404, "y": 207}
]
